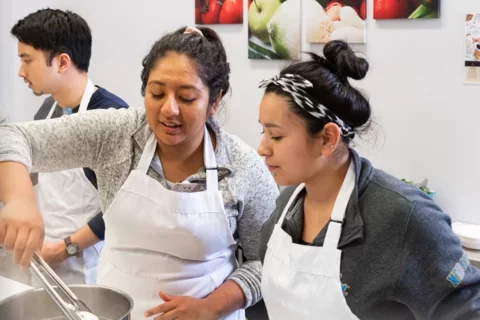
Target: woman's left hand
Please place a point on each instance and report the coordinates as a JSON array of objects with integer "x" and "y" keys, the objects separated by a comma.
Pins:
[{"x": 182, "y": 308}]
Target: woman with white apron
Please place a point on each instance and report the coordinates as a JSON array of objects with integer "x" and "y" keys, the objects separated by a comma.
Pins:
[
  {"x": 299, "y": 280},
  {"x": 177, "y": 192},
  {"x": 67, "y": 201},
  {"x": 175, "y": 225}
]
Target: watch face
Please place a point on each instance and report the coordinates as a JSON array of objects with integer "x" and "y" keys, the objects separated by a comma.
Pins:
[{"x": 71, "y": 249}]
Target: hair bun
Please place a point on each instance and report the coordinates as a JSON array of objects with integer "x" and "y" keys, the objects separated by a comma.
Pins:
[{"x": 344, "y": 61}]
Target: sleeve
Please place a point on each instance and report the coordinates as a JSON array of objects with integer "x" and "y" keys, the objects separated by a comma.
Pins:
[
  {"x": 88, "y": 139},
  {"x": 258, "y": 205},
  {"x": 97, "y": 225},
  {"x": 4, "y": 117},
  {"x": 436, "y": 280}
]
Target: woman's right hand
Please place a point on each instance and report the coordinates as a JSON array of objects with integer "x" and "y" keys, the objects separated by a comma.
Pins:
[{"x": 21, "y": 230}]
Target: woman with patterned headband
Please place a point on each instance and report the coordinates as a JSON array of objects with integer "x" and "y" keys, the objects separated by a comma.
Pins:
[
  {"x": 176, "y": 189},
  {"x": 348, "y": 241}
]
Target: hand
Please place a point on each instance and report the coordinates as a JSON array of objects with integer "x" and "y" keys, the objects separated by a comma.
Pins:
[
  {"x": 54, "y": 253},
  {"x": 21, "y": 230},
  {"x": 182, "y": 308}
]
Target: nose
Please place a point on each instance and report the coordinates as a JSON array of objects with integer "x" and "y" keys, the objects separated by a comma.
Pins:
[
  {"x": 21, "y": 72},
  {"x": 170, "y": 108},
  {"x": 263, "y": 148}
]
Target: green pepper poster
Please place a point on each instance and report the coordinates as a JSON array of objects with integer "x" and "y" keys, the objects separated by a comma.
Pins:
[
  {"x": 274, "y": 29},
  {"x": 406, "y": 9}
]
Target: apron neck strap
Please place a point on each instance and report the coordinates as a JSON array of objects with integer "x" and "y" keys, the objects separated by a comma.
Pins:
[
  {"x": 334, "y": 231},
  {"x": 87, "y": 95},
  {"x": 289, "y": 203},
  {"x": 211, "y": 169},
  {"x": 208, "y": 158}
]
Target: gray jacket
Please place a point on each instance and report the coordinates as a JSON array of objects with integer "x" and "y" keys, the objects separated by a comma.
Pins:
[
  {"x": 111, "y": 142},
  {"x": 400, "y": 258}
]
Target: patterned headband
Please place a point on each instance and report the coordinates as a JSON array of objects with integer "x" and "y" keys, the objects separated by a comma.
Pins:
[{"x": 295, "y": 86}]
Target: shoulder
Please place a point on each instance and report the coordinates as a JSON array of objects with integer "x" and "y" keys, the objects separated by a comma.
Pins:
[{"x": 104, "y": 99}]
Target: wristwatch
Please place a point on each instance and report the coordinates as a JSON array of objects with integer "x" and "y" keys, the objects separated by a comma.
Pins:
[{"x": 70, "y": 247}]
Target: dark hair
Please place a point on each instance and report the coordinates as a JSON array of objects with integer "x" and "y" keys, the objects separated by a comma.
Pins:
[
  {"x": 55, "y": 31},
  {"x": 331, "y": 88},
  {"x": 206, "y": 52}
]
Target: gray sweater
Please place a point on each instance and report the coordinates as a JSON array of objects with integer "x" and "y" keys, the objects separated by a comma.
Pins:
[
  {"x": 111, "y": 142},
  {"x": 4, "y": 117},
  {"x": 400, "y": 258}
]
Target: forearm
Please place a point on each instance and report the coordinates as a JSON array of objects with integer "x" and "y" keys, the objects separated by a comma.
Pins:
[
  {"x": 226, "y": 299},
  {"x": 84, "y": 238},
  {"x": 15, "y": 183}
]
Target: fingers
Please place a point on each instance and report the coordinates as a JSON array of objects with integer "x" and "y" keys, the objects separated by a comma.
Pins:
[
  {"x": 9, "y": 241},
  {"x": 20, "y": 243},
  {"x": 161, "y": 309},
  {"x": 34, "y": 243}
]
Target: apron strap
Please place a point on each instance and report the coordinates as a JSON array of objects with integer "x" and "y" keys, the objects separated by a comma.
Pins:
[
  {"x": 52, "y": 109},
  {"x": 147, "y": 155},
  {"x": 289, "y": 203},
  {"x": 211, "y": 169},
  {"x": 209, "y": 159},
  {"x": 334, "y": 230}
]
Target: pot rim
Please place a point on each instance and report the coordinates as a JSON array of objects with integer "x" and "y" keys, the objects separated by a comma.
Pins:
[{"x": 7, "y": 299}]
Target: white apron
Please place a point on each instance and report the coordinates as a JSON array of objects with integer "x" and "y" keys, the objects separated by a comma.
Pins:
[
  {"x": 303, "y": 282},
  {"x": 67, "y": 201},
  {"x": 161, "y": 240}
]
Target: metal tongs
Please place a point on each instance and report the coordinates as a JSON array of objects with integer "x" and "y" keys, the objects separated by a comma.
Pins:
[{"x": 76, "y": 309}]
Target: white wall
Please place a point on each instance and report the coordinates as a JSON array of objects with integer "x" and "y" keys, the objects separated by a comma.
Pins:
[{"x": 427, "y": 118}]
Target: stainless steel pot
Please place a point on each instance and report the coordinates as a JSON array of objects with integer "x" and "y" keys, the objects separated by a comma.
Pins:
[{"x": 36, "y": 304}]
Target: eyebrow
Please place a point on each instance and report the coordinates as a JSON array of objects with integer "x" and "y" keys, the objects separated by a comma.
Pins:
[
  {"x": 183, "y": 86},
  {"x": 24, "y": 55},
  {"x": 270, "y": 125}
]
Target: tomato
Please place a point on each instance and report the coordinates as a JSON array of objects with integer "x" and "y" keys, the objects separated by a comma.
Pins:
[
  {"x": 363, "y": 10},
  {"x": 210, "y": 15},
  {"x": 232, "y": 12},
  {"x": 390, "y": 9}
]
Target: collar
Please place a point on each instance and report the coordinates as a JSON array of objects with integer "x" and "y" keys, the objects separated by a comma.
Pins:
[
  {"x": 352, "y": 229},
  {"x": 141, "y": 135}
]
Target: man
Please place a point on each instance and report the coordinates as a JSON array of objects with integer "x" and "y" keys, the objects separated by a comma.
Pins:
[{"x": 55, "y": 49}]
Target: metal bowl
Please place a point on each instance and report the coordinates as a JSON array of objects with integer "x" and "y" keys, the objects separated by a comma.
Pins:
[{"x": 35, "y": 304}]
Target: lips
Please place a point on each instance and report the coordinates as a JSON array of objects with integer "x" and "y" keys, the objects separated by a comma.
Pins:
[
  {"x": 272, "y": 168},
  {"x": 170, "y": 127}
]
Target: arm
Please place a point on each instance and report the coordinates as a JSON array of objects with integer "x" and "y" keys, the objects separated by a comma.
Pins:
[
  {"x": 83, "y": 140},
  {"x": 435, "y": 279},
  {"x": 21, "y": 226},
  {"x": 55, "y": 253}
]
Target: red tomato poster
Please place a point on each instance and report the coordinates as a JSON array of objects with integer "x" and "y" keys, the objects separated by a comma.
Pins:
[
  {"x": 327, "y": 20},
  {"x": 218, "y": 11},
  {"x": 406, "y": 9}
]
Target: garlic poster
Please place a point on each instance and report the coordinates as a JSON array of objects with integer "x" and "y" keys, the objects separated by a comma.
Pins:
[
  {"x": 327, "y": 20},
  {"x": 471, "y": 71},
  {"x": 274, "y": 29}
]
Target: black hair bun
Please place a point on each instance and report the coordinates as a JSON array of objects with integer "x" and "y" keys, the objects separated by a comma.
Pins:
[{"x": 344, "y": 61}]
